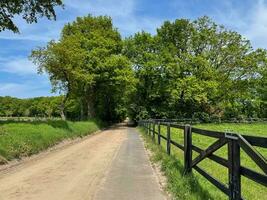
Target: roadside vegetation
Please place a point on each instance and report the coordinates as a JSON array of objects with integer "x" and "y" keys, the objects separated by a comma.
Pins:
[
  {"x": 38, "y": 107},
  {"x": 193, "y": 69},
  {"x": 187, "y": 69},
  {"x": 250, "y": 189},
  {"x": 19, "y": 139},
  {"x": 179, "y": 186}
]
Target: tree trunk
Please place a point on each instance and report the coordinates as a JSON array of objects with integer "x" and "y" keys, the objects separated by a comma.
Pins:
[
  {"x": 81, "y": 109},
  {"x": 62, "y": 107},
  {"x": 62, "y": 114},
  {"x": 90, "y": 102},
  {"x": 90, "y": 108}
]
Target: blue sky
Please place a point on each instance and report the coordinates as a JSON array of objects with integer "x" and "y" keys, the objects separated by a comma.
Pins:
[{"x": 18, "y": 76}]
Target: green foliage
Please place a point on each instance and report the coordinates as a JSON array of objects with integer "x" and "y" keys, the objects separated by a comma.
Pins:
[
  {"x": 180, "y": 187},
  {"x": 30, "y": 10},
  {"x": 188, "y": 69},
  {"x": 86, "y": 63},
  {"x": 196, "y": 67},
  {"x": 32, "y": 107},
  {"x": 19, "y": 139}
]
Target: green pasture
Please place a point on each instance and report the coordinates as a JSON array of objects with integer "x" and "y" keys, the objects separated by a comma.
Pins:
[{"x": 250, "y": 189}]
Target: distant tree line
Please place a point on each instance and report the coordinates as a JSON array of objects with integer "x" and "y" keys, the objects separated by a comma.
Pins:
[
  {"x": 188, "y": 69},
  {"x": 47, "y": 107}
]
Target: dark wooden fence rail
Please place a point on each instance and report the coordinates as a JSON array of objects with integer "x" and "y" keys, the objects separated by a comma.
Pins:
[
  {"x": 213, "y": 120},
  {"x": 235, "y": 142}
]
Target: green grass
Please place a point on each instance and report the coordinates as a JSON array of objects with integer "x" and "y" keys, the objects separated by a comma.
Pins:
[
  {"x": 250, "y": 189},
  {"x": 18, "y": 139},
  {"x": 256, "y": 129},
  {"x": 181, "y": 187}
]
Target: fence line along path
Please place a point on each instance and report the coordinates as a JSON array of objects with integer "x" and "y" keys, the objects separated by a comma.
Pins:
[{"x": 234, "y": 143}]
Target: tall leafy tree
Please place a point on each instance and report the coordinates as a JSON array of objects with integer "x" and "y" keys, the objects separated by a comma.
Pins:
[
  {"x": 197, "y": 69},
  {"x": 87, "y": 64},
  {"x": 152, "y": 87}
]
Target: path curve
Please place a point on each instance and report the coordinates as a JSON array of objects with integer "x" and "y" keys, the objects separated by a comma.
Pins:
[{"x": 109, "y": 165}]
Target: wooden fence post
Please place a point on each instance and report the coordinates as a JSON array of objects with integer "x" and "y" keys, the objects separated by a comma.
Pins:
[
  {"x": 187, "y": 149},
  {"x": 234, "y": 170},
  {"x": 159, "y": 133},
  {"x": 168, "y": 139}
]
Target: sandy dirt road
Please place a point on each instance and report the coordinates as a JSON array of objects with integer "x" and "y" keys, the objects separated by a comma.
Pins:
[{"x": 93, "y": 168}]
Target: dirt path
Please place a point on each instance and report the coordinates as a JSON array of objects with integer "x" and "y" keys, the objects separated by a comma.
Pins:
[{"x": 80, "y": 171}]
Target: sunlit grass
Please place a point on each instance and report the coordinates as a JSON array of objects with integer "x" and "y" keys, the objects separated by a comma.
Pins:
[
  {"x": 250, "y": 189},
  {"x": 18, "y": 139}
]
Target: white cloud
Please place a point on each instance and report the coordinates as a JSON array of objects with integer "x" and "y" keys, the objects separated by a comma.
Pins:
[
  {"x": 42, "y": 31},
  {"x": 123, "y": 14},
  {"x": 40, "y": 87},
  {"x": 250, "y": 22},
  {"x": 46, "y": 30},
  {"x": 257, "y": 28},
  {"x": 12, "y": 89},
  {"x": 115, "y": 8},
  {"x": 19, "y": 66}
]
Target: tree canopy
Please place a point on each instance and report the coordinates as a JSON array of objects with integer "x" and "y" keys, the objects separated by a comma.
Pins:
[
  {"x": 87, "y": 64},
  {"x": 192, "y": 69},
  {"x": 32, "y": 107},
  {"x": 196, "y": 69},
  {"x": 31, "y": 10}
]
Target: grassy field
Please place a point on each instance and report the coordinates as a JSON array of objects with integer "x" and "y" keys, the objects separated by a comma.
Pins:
[
  {"x": 250, "y": 189},
  {"x": 18, "y": 139}
]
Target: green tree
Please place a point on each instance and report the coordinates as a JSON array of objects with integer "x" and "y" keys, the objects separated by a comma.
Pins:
[
  {"x": 88, "y": 66},
  {"x": 189, "y": 68},
  {"x": 152, "y": 87},
  {"x": 38, "y": 106}
]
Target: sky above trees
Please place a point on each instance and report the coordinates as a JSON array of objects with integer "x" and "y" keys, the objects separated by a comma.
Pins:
[{"x": 18, "y": 75}]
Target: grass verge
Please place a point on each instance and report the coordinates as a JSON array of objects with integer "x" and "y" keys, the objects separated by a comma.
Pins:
[
  {"x": 19, "y": 139},
  {"x": 181, "y": 187}
]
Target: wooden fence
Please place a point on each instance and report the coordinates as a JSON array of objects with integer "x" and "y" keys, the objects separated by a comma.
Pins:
[
  {"x": 212, "y": 120},
  {"x": 235, "y": 142}
]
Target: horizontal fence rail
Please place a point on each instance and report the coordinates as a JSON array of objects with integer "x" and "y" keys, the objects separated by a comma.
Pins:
[
  {"x": 212, "y": 120},
  {"x": 234, "y": 142}
]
